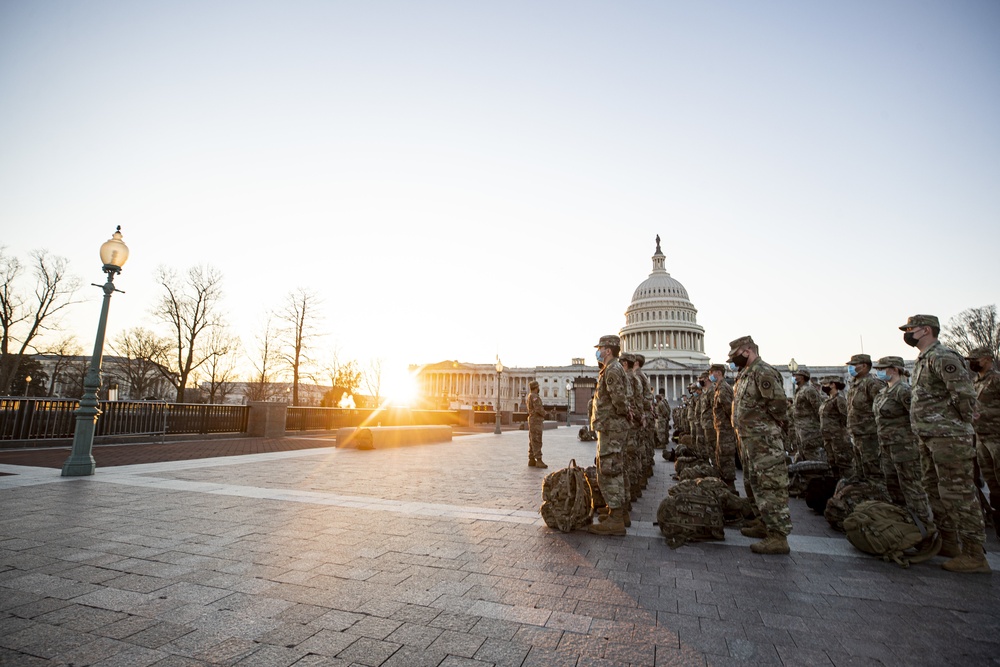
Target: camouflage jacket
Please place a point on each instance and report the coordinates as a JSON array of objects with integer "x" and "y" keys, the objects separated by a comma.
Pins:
[
  {"x": 536, "y": 411},
  {"x": 662, "y": 410},
  {"x": 637, "y": 402},
  {"x": 988, "y": 393},
  {"x": 722, "y": 407},
  {"x": 860, "y": 397},
  {"x": 806, "y": 408},
  {"x": 691, "y": 414},
  {"x": 759, "y": 403},
  {"x": 647, "y": 392},
  {"x": 944, "y": 399},
  {"x": 677, "y": 415},
  {"x": 612, "y": 397},
  {"x": 833, "y": 416},
  {"x": 892, "y": 412},
  {"x": 705, "y": 417}
]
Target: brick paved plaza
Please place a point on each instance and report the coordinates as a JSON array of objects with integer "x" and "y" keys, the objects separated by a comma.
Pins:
[{"x": 432, "y": 555}]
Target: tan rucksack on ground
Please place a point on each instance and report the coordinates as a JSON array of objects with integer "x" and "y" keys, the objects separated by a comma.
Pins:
[
  {"x": 847, "y": 496},
  {"x": 567, "y": 501},
  {"x": 691, "y": 512}
]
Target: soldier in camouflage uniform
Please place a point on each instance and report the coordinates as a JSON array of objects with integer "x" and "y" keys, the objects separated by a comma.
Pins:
[
  {"x": 942, "y": 409},
  {"x": 789, "y": 436},
  {"x": 633, "y": 464},
  {"x": 900, "y": 454},
  {"x": 705, "y": 401},
  {"x": 861, "y": 418},
  {"x": 759, "y": 413},
  {"x": 611, "y": 420},
  {"x": 987, "y": 427},
  {"x": 722, "y": 423},
  {"x": 694, "y": 427},
  {"x": 805, "y": 408},
  {"x": 662, "y": 410},
  {"x": 536, "y": 415},
  {"x": 833, "y": 426},
  {"x": 648, "y": 433}
]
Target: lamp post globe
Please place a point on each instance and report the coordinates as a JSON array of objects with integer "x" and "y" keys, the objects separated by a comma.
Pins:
[
  {"x": 569, "y": 387},
  {"x": 499, "y": 367},
  {"x": 792, "y": 367},
  {"x": 114, "y": 254},
  {"x": 27, "y": 386}
]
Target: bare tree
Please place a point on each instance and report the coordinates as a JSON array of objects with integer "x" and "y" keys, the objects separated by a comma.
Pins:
[
  {"x": 141, "y": 351},
  {"x": 299, "y": 318},
  {"x": 221, "y": 365},
  {"x": 260, "y": 386},
  {"x": 63, "y": 353},
  {"x": 23, "y": 317},
  {"x": 344, "y": 378},
  {"x": 191, "y": 308},
  {"x": 972, "y": 328},
  {"x": 373, "y": 380}
]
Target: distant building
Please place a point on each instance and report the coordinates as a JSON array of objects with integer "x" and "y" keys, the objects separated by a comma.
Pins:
[{"x": 65, "y": 378}]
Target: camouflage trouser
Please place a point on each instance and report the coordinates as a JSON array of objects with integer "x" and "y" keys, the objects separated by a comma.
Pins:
[
  {"x": 948, "y": 478},
  {"x": 839, "y": 454},
  {"x": 725, "y": 455},
  {"x": 534, "y": 441},
  {"x": 769, "y": 476},
  {"x": 810, "y": 443},
  {"x": 988, "y": 452},
  {"x": 747, "y": 483},
  {"x": 611, "y": 465},
  {"x": 696, "y": 443},
  {"x": 904, "y": 475},
  {"x": 633, "y": 464},
  {"x": 866, "y": 457},
  {"x": 662, "y": 432}
]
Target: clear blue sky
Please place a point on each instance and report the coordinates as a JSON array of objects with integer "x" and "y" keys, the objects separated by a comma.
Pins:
[{"x": 461, "y": 178}]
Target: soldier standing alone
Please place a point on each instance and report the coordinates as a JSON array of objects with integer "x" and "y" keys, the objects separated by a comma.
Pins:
[
  {"x": 942, "y": 409},
  {"x": 536, "y": 415},
  {"x": 759, "y": 407}
]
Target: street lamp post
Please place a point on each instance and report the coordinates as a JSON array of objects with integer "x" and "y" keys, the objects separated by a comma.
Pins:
[
  {"x": 792, "y": 367},
  {"x": 114, "y": 253},
  {"x": 499, "y": 367},
  {"x": 569, "y": 407},
  {"x": 27, "y": 386}
]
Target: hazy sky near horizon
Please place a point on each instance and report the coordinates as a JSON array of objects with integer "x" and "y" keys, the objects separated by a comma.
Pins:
[{"x": 458, "y": 179}]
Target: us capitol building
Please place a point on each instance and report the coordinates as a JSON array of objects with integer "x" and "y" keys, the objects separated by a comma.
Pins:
[{"x": 661, "y": 323}]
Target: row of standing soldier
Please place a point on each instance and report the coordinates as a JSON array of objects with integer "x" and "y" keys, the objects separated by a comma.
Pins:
[{"x": 916, "y": 443}]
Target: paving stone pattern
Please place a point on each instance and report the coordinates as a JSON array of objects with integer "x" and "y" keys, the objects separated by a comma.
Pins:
[{"x": 435, "y": 555}]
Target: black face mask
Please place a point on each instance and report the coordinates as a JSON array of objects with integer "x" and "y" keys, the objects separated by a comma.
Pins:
[
  {"x": 975, "y": 366},
  {"x": 827, "y": 390},
  {"x": 740, "y": 361},
  {"x": 910, "y": 339}
]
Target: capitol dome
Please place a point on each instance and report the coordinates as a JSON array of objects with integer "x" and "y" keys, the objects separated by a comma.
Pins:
[{"x": 662, "y": 323}]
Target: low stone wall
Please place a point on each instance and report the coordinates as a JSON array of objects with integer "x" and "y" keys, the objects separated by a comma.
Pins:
[{"x": 385, "y": 437}]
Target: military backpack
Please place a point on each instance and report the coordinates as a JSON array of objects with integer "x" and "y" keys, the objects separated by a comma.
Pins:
[
  {"x": 691, "y": 512},
  {"x": 848, "y": 494},
  {"x": 887, "y": 530},
  {"x": 595, "y": 490},
  {"x": 567, "y": 501}
]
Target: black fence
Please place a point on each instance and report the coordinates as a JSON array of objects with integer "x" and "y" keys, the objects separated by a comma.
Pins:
[{"x": 48, "y": 419}]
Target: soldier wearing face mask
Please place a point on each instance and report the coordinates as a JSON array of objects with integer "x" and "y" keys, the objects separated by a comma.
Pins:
[
  {"x": 722, "y": 422},
  {"x": 900, "y": 454},
  {"x": 610, "y": 420},
  {"x": 833, "y": 426},
  {"x": 633, "y": 463},
  {"x": 942, "y": 410},
  {"x": 806, "y": 412},
  {"x": 861, "y": 418},
  {"x": 987, "y": 385},
  {"x": 759, "y": 413}
]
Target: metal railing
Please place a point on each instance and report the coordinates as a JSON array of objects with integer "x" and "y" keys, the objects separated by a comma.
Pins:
[
  {"x": 329, "y": 419},
  {"x": 55, "y": 418}
]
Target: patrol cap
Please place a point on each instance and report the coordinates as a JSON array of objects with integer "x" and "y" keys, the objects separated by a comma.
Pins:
[
  {"x": 610, "y": 340},
  {"x": 717, "y": 367},
  {"x": 833, "y": 379},
  {"x": 860, "y": 359},
  {"x": 742, "y": 341},
  {"x": 641, "y": 359},
  {"x": 803, "y": 371},
  {"x": 628, "y": 356},
  {"x": 890, "y": 362},
  {"x": 703, "y": 376},
  {"x": 533, "y": 384},
  {"x": 921, "y": 321},
  {"x": 979, "y": 353}
]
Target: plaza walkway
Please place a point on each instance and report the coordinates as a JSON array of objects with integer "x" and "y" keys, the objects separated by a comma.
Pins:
[{"x": 290, "y": 552}]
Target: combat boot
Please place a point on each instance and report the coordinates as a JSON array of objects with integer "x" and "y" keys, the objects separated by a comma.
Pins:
[
  {"x": 531, "y": 462},
  {"x": 540, "y": 463},
  {"x": 626, "y": 518},
  {"x": 613, "y": 525},
  {"x": 754, "y": 529},
  {"x": 773, "y": 544},
  {"x": 950, "y": 547},
  {"x": 971, "y": 561}
]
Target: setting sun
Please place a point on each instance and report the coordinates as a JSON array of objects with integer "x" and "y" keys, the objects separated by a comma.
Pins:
[{"x": 401, "y": 389}]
